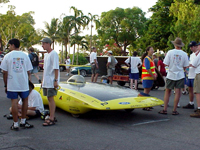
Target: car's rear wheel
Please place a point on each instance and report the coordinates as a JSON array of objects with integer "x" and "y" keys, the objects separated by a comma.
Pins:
[
  {"x": 83, "y": 73},
  {"x": 121, "y": 83}
]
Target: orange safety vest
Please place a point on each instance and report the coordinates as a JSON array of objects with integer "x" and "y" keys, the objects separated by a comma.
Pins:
[{"x": 145, "y": 73}]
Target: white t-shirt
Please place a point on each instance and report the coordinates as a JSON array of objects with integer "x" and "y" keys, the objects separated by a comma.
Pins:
[
  {"x": 17, "y": 64},
  {"x": 34, "y": 100},
  {"x": 67, "y": 63},
  {"x": 51, "y": 62},
  {"x": 135, "y": 61},
  {"x": 176, "y": 60},
  {"x": 191, "y": 73},
  {"x": 93, "y": 56},
  {"x": 196, "y": 63}
]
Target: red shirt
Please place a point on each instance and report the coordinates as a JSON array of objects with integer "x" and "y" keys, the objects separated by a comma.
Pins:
[{"x": 162, "y": 67}]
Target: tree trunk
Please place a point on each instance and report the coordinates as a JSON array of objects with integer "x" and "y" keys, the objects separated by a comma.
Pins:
[
  {"x": 73, "y": 55},
  {"x": 77, "y": 56}
]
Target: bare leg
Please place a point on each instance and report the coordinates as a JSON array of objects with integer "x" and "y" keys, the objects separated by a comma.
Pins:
[
  {"x": 35, "y": 74},
  {"x": 136, "y": 84},
  {"x": 147, "y": 90},
  {"x": 198, "y": 99},
  {"x": 176, "y": 98},
  {"x": 96, "y": 76},
  {"x": 166, "y": 98},
  {"x": 52, "y": 107},
  {"x": 31, "y": 113},
  {"x": 14, "y": 109},
  {"x": 92, "y": 78},
  {"x": 131, "y": 84},
  {"x": 24, "y": 107},
  {"x": 191, "y": 94}
]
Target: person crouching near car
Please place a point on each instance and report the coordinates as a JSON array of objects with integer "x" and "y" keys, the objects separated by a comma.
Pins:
[
  {"x": 148, "y": 73},
  {"x": 35, "y": 103}
]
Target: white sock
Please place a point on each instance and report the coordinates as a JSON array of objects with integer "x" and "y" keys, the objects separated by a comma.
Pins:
[
  {"x": 198, "y": 108},
  {"x": 191, "y": 103},
  {"x": 16, "y": 124},
  {"x": 23, "y": 121}
]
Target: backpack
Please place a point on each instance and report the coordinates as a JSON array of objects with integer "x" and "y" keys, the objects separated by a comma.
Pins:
[{"x": 35, "y": 61}]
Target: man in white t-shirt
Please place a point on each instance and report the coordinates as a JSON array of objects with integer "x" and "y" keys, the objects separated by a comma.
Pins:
[
  {"x": 67, "y": 62},
  {"x": 94, "y": 65},
  {"x": 191, "y": 76},
  {"x": 177, "y": 60},
  {"x": 51, "y": 77},
  {"x": 134, "y": 62},
  {"x": 35, "y": 103},
  {"x": 16, "y": 66},
  {"x": 196, "y": 64}
]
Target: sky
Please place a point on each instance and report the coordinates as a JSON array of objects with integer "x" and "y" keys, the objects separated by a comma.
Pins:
[{"x": 45, "y": 10}]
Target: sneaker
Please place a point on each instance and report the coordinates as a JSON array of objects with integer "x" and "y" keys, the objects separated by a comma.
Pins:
[
  {"x": 26, "y": 125},
  {"x": 189, "y": 106},
  {"x": 178, "y": 106},
  {"x": 9, "y": 117},
  {"x": 14, "y": 128},
  {"x": 196, "y": 114}
]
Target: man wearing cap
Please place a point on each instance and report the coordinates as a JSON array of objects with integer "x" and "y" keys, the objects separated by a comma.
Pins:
[
  {"x": 51, "y": 77},
  {"x": 177, "y": 61},
  {"x": 191, "y": 76},
  {"x": 111, "y": 66},
  {"x": 196, "y": 64},
  {"x": 94, "y": 65}
]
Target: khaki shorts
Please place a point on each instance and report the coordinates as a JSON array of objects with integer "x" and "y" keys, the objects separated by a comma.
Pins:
[
  {"x": 49, "y": 92},
  {"x": 196, "y": 87},
  {"x": 110, "y": 72},
  {"x": 171, "y": 84},
  {"x": 94, "y": 69}
]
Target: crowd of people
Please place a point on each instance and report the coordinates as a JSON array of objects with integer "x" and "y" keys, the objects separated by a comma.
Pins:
[
  {"x": 17, "y": 68},
  {"x": 176, "y": 77}
]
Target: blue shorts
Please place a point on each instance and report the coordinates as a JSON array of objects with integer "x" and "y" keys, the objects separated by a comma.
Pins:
[
  {"x": 134, "y": 76},
  {"x": 147, "y": 83},
  {"x": 14, "y": 95},
  {"x": 190, "y": 82},
  {"x": 35, "y": 69}
]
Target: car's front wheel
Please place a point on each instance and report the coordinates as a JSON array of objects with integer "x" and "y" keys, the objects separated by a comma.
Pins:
[
  {"x": 83, "y": 73},
  {"x": 61, "y": 68}
]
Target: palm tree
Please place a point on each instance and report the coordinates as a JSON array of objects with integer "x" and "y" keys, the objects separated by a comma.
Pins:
[
  {"x": 77, "y": 21},
  {"x": 93, "y": 18},
  {"x": 52, "y": 30},
  {"x": 80, "y": 41}
]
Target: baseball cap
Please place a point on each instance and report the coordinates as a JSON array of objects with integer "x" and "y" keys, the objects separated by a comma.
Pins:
[
  {"x": 193, "y": 43},
  {"x": 110, "y": 52},
  {"x": 46, "y": 40}
]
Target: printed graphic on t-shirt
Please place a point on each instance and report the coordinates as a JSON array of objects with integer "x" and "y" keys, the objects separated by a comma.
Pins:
[
  {"x": 177, "y": 59},
  {"x": 18, "y": 64}
]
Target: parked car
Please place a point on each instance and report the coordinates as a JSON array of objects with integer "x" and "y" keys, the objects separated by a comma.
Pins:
[
  {"x": 41, "y": 63},
  {"x": 84, "y": 70}
]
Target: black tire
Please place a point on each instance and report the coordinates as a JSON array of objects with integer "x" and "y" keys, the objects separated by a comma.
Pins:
[
  {"x": 76, "y": 115},
  {"x": 121, "y": 83},
  {"x": 83, "y": 73},
  {"x": 61, "y": 68},
  {"x": 129, "y": 110}
]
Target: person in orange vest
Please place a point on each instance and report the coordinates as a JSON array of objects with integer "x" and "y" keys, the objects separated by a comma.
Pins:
[{"x": 148, "y": 73}]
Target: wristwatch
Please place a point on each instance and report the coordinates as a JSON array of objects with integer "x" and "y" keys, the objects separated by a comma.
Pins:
[{"x": 55, "y": 80}]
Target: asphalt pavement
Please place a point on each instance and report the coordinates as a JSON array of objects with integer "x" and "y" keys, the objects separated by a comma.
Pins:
[{"x": 105, "y": 130}]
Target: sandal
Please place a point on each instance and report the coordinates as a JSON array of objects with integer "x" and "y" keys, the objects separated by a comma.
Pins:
[
  {"x": 48, "y": 122},
  {"x": 164, "y": 112},
  {"x": 175, "y": 113},
  {"x": 147, "y": 109}
]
